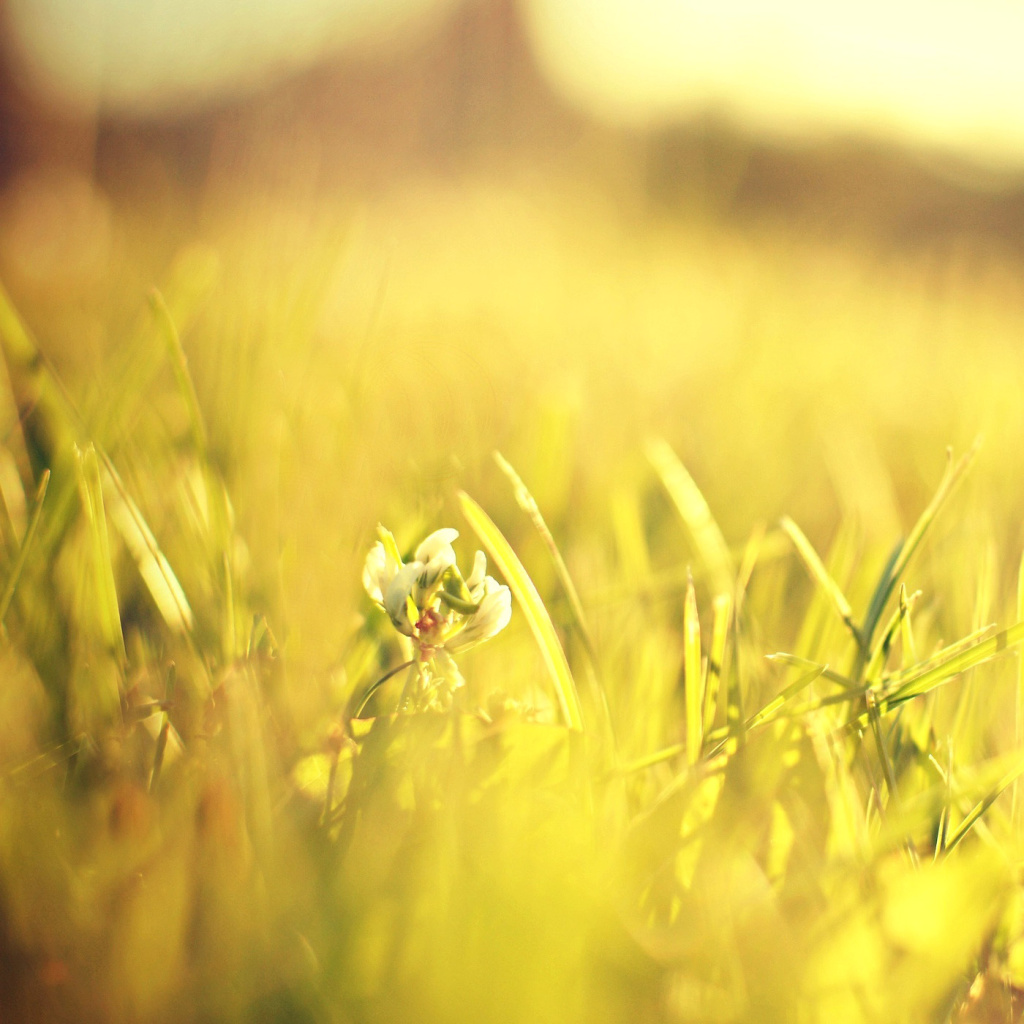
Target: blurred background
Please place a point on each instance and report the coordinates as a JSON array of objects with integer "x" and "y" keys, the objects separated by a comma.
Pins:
[
  {"x": 395, "y": 235},
  {"x": 399, "y": 235}
]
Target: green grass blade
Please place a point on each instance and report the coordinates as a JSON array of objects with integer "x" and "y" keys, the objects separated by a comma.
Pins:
[
  {"x": 716, "y": 658},
  {"x": 974, "y": 815},
  {"x": 797, "y": 662},
  {"x": 943, "y": 660},
  {"x": 91, "y": 491},
  {"x": 693, "y": 677},
  {"x": 533, "y": 608},
  {"x": 908, "y": 650},
  {"x": 47, "y": 425},
  {"x": 797, "y": 686},
  {"x": 1018, "y": 724},
  {"x": 179, "y": 364},
  {"x": 23, "y": 550},
  {"x": 821, "y": 576},
  {"x": 880, "y": 596},
  {"x": 969, "y": 658},
  {"x": 951, "y": 477},
  {"x": 155, "y": 570},
  {"x": 893, "y": 628},
  {"x": 526, "y": 501},
  {"x": 693, "y": 509}
]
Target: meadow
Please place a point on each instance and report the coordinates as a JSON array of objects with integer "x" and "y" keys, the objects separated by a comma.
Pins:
[{"x": 749, "y": 747}]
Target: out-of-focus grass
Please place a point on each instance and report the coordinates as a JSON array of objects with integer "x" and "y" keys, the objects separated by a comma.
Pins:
[{"x": 193, "y": 827}]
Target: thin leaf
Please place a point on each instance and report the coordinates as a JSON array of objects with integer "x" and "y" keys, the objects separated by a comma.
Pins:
[
  {"x": 693, "y": 509},
  {"x": 821, "y": 576},
  {"x": 787, "y": 694},
  {"x": 533, "y": 608},
  {"x": 876, "y": 664},
  {"x": 986, "y": 802},
  {"x": 968, "y": 657},
  {"x": 526, "y": 501},
  {"x": 1018, "y": 730},
  {"x": 26, "y": 545},
  {"x": 179, "y": 364},
  {"x": 716, "y": 658},
  {"x": 91, "y": 490},
  {"x": 951, "y": 477},
  {"x": 692, "y": 677},
  {"x": 908, "y": 647},
  {"x": 797, "y": 662},
  {"x": 155, "y": 570}
]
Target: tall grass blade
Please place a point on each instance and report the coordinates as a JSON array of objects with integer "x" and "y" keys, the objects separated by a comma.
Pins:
[
  {"x": 533, "y": 608},
  {"x": 787, "y": 694},
  {"x": 693, "y": 509},
  {"x": 821, "y": 576},
  {"x": 23, "y": 550},
  {"x": 722, "y": 611},
  {"x": 91, "y": 491},
  {"x": 974, "y": 815},
  {"x": 179, "y": 365},
  {"x": 807, "y": 665},
  {"x": 893, "y": 628},
  {"x": 526, "y": 501},
  {"x": 1018, "y": 724},
  {"x": 46, "y": 424},
  {"x": 693, "y": 677},
  {"x": 970, "y": 656},
  {"x": 951, "y": 477},
  {"x": 155, "y": 570},
  {"x": 908, "y": 647}
]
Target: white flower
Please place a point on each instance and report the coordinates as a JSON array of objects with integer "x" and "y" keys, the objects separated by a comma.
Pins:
[
  {"x": 428, "y": 600},
  {"x": 436, "y": 555},
  {"x": 494, "y": 609}
]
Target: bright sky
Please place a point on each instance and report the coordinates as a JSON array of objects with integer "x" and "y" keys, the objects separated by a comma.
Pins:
[
  {"x": 143, "y": 56},
  {"x": 945, "y": 73}
]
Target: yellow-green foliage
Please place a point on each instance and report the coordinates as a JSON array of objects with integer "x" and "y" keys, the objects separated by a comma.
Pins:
[{"x": 720, "y": 767}]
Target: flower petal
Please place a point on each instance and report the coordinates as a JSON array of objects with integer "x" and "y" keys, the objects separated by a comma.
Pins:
[
  {"x": 375, "y": 573},
  {"x": 488, "y": 620},
  {"x": 435, "y": 544},
  {"x": 436, "y": 554},
  {"x": 399, "y": 590},
  {"x": 476, "y": 578}
]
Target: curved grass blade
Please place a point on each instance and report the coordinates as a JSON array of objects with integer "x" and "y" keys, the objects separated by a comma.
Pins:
[
  {"x": 693, "y": 681},
  {"x": 876, "y": 664},
  {"x": 973, "y": 816},
  {"x": 533, "y": 608},
  {"x": 787, "y": 694},
  {"x": 155, "y": 570},
  {"x": 695, "y": 513},
  {"x": 909, "y": 648},
  {"x": 91, "y": 491},
  {"x": 23, "y": 550},
  {"x": 47, "y": 425},
  {"x": 1018, "y": 724},
  {"x": 526, "y": 501},
  {"x": 722, "y": 610},
  {"x": 953, "y": 474},
  {"x": 179, "y": 364},
  {"x": 970, "y": 652},
  {"x": 807, "y": 665},
  {"x": 821, "y": 576}
]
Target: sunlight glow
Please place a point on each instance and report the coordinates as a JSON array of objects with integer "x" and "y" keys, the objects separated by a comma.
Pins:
[
  {"x": 945, "y": 74},
  {"x": 163, "y": 54}
]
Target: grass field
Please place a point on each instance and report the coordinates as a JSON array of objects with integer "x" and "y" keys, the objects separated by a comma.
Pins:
[{"x": 749, "y": 747}]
